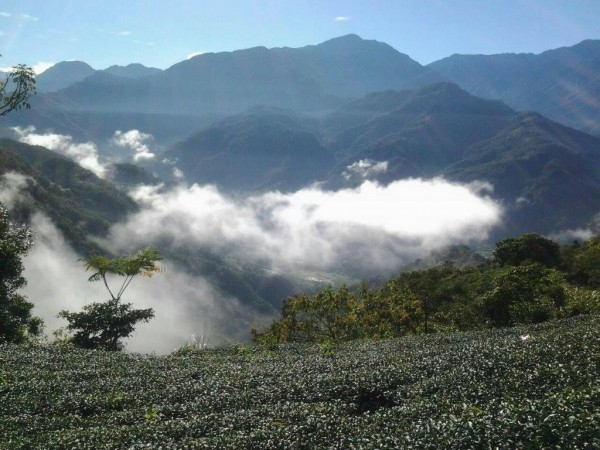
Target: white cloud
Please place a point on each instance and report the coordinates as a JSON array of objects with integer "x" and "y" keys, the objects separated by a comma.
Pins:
[
  {"x": 42, "y": 66},
  {"x": 191, "y": 55},
  {"x": 370, "y": 227},
  {"x": 11, "y": 187},
  {"x": 183, "y": 304},
  {"x": 85, "y": 153},
  {"x": 177, "y": 173},
  {"x": 123, "y": 33},
  {"x": 568, "y": 236},
  {"x": 136, "y": 141},
  {"x": 341, "y": 19},
  {"x": 28, "y": 17},
  {"x": 365, "y": 168},
  {"x": 5, "y": 14}
]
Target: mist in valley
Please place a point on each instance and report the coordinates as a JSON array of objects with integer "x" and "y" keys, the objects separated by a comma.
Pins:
[{"x": 362, "y": 231}]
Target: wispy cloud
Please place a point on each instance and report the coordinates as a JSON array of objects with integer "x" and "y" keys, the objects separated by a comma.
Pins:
[
  {"x": 365, "y": 168},
  {"x": 28, "y": 17},
  {"x": 123, "y": 33},
  {"x": 84, "y": 153},
  {"x": 42, "y": 66},
  {"x": 191, "y": 55},
  {"x": 11, "y": 186},
  {"x": 136, "y": 141},
  {"x": 342, "y": 19},
  {"x": 5, "y": 14},
  {"x": 181, "y": 302}
]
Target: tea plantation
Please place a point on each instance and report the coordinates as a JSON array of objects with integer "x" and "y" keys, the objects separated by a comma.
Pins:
[{"x": 525, "y": 387}]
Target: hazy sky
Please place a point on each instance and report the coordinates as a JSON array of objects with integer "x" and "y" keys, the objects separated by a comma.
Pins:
[{"x": 160, "y": 33}]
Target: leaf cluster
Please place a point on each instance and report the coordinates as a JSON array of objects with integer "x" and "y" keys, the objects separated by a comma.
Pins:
[
  {"x": 16, "y": 89},
  {"x": 143, "y": 264}
]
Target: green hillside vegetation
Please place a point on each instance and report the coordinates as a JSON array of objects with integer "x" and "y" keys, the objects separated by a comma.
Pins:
[
  {"x": 262, "y": 149},
  {"x": 529, "y": 280},
  {"x": 532, "y": 386},
  {"x": 77, "y": 201}
]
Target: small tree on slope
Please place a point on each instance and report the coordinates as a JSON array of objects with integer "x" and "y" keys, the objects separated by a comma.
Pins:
[{"x": 103, "y": 325}]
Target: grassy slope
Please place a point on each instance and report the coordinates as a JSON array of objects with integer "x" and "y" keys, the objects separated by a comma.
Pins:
[{"x": 469, "y": 390}]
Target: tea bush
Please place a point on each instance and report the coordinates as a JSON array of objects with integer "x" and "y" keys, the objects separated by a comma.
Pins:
[{"x": 534, "y": 386}]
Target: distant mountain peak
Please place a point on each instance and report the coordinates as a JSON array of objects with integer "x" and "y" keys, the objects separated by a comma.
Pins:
[
  {"x": 134, "y": 70},
  {"x": 345, "y": 38},
  {"x": 63, "y": 74}
]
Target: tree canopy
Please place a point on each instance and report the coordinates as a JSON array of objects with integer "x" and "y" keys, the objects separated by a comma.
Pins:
[
  {"x": 102, "y": 325},
  {"x": 16, "y": 89},
  {"x": 16, "y": 321}
]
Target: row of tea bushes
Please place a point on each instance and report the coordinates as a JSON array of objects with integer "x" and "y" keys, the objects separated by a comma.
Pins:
[{"x": 524, "y": 387}]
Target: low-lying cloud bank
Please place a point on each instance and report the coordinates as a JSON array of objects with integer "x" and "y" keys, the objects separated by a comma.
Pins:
[
  {"x": 84, "y": 153},
  {"x": 183, "y": 304},
  {"x": 371, "y": 227},
  {"x": 366, "y": 230},
  {"x": 87, "y": 154}
]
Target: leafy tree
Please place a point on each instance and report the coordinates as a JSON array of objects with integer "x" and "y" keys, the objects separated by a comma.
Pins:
[
  {"x": 526, "y": 249},
  {"x": 16, "y": 89},
  {"x": 325, "y": 316},
  {"x": 582, "y": 263},
  {"x": 523, "y": 294},
  {"x": 16, "y": 321},
  {"x": 103, "y": 325}
]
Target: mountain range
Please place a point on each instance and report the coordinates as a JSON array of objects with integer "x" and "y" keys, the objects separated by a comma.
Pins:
[
  {"x": 326, "y": 107},
  {"x": 562, "y": 84},
  {"x": 337, "y": 113},
  {"x": 538, "y": 167}
]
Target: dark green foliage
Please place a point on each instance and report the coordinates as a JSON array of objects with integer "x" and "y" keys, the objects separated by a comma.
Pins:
[
  {"x": 582, "y": 263},
  {"x": 526, "y": 387},
  {"x": 529, "y": 280},
  {"x": 16, "y": 89},
  {"x": 529, "y": 248},
  {"x": 16, "y": 321},
  {"x": 103, "y": 325},
  {"x": 523, "y": 294},
  {"x": 77, "y": 201}
]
